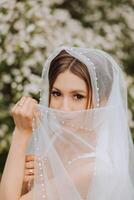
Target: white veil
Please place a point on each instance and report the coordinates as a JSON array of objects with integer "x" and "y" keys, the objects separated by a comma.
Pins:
[{"x": 85, "y": 154}]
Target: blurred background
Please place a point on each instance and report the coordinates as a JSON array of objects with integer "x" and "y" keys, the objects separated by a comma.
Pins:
[{"x": 31, "y": 29}]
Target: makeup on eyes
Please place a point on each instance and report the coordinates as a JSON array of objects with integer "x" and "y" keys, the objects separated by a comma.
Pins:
[{"x": 77, "y": 94}]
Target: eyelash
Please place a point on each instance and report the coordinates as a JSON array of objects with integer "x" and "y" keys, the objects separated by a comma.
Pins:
[
  {"x": 54, "y": 93},
  {"x": 79, "y": 97},
  {"x": 57, "y": 94}
]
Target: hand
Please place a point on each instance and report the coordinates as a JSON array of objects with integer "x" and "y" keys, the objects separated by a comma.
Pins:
[
  {"x": 23, "y": 113},
  {"x": 28, "y": 174}
]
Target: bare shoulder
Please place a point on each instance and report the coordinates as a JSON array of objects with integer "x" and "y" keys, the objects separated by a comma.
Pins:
[{"x": 27, "y": 196}]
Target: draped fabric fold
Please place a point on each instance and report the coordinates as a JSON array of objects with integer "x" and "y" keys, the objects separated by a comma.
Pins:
[{"x": 85, "y": 154}]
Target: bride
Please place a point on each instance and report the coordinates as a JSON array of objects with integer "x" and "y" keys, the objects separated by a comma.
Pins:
[{"x": 75, "y": 144}]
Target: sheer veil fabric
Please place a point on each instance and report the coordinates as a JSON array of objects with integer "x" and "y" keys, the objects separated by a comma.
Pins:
[{"x": 85, "y": 154}]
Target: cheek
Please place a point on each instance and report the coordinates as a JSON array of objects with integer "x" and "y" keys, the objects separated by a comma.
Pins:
[
  {"x": 79, "y": 105},
  {"x": 54, "y": 103},
  {"x": 51, "y": 103},
  {"x": 82, "y": 104}
]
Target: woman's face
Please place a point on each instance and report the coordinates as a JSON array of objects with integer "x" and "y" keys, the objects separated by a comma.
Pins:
[{"x": 69, "y": 93}]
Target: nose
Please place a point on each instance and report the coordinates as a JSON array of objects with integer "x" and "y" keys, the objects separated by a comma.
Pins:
[{"x": 65, "y": 106}]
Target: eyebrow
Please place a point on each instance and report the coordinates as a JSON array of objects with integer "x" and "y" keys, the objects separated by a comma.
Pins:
[{"x": 74, "y": 91}]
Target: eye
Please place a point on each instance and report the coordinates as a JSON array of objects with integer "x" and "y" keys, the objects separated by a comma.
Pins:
[
  {"x": 55, "y": 93},
  {"x": 78, "y": 97}
]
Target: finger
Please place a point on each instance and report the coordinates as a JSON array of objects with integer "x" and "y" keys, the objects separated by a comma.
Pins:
[
  {"x": 18, "y": 108},
  {"x": 28, "y": 178},
  {"x": 26, "y": 113},
  {"x": 16, "y": 104},
  {"x": 29, "y": 172},
  {"x": 21, "y": 101},
  {"x": 37, "y": 113},
  {"x": 29, "y": 107},
  {"x": 29, "y": 157},
  {"x": 29, "y": 165},
  {"x": 24, "y": 100}
]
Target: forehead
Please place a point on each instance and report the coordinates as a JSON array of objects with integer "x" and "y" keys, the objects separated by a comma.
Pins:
[{"x": 68, "y": 80}]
